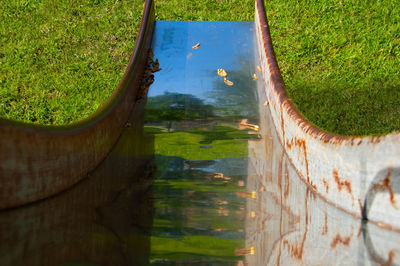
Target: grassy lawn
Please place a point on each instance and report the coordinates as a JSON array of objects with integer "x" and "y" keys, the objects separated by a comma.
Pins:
[
  {"x": 340, "y": 59},
  {"x": 60, "y": 60}
]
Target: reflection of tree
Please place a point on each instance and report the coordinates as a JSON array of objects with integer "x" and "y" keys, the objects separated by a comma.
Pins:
[
  {"x": 239, "y": 100},
  {"x": 175, "y": 107}
]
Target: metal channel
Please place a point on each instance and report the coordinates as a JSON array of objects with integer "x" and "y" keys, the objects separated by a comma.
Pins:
[
  {"x": 288, "y": 223},
  {"x": 39, "y": 161}
]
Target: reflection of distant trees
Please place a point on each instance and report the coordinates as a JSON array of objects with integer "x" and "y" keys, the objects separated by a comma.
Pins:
[{"x": 175, "y": 107}]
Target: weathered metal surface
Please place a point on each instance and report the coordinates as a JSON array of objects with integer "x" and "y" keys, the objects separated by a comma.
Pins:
[
  {"x": 37, "y": 161},
  {"x": 105, "y": 219},
  {"x": 288, "y": 223},
  {"x": 360, "y": 175}
]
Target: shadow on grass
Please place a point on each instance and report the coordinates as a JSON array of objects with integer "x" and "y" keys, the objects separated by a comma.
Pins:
[{"x": 344, "y": 110}]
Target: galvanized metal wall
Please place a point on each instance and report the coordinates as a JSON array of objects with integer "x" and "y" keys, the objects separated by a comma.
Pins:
[
  {"x": 37, "y": 162},
  {"x": 360, "y": 175}
]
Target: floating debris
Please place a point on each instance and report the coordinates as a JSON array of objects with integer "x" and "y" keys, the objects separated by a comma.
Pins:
[
  {"x": 248, "y": 195},
  {"x": 196, "y": 46},
  {"x": 259, "y": 69},
  {"x": 266, "y": 103},
  {"x": 243, "y": 124},
  {"x": 219, "y": 175},
  {"x": 255, "y": 76},
  {"x": 148, "y": 77},
  {"x": 244, "y": 251},
  {"x": 156, "y": 66},
  {"x": 228, "y": 82},
  {"x": 222, "y": 73}
]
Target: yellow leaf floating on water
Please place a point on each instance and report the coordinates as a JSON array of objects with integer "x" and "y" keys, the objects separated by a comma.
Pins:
[
  {"x": 228, "y": 82},
  {"x": 259, "y": 69},
  {"x": 221, "y": 72},
  {"x": 266, "y": 103},
  {"x": 196, "y": 46},
  {"x": 255, "y": 77},
  {"x": 243, "y": 124},
  {"x": 245, "y": 251}
]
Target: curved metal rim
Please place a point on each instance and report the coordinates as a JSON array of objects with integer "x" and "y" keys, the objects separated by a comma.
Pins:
[
  {"x": 37, "y": 162},
  {"x": 287, "y": 103},
  {"x": 115, "y": 97}
]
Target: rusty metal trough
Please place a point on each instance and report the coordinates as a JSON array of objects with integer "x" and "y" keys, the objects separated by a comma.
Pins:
[
  {"x": 40, "y": 161},
  {"x": 359, "y": 175}
]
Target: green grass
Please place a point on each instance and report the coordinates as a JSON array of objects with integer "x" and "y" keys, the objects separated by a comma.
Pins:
[
  {"x": 339, "y": 59},
  {"x": 190, "y": 246},
  {"x": 201, "y": 143},
  {"x": 60, "y": 60}
]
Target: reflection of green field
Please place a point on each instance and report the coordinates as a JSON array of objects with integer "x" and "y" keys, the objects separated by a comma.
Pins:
[
  {"x": 193, "y": 246},
  {"x": 221, "y": 142},
  {"x": 215, "y": 187}
]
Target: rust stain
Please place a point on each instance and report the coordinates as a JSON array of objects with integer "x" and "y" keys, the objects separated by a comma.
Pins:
[
  {"x": 341, "y": 183},
  {"x": 289, "y": 144},
  {"x": 340, "y": 240},
  {"x": 390, "y": 258},
  {"x": 282, "y": 126},
  {"x": 295, "y": 250},
  {"x": 325, "y": 229},
  {"x": 280, "y": 172},
  {"x": 313, "y": 185},
  {"x": 386, "y": 185},
  {"x": 301, "y": 143},
  {"x": 326, "y": 185},
  {"x": 286, "y": 192},
  {"x": 359, "y": 231},
  {"x": 360, "y": 205}
]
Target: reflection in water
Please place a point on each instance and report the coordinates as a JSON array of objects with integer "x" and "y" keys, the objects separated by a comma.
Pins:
[
  {"x": 103, "y": 220},
  {"x": 288, "y": 224},
  {"x": 200, "y": 153}
]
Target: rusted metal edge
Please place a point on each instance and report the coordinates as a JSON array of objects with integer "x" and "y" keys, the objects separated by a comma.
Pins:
[
  {"x": 359, "y": 174},
  {"x": 284, "y": 100},
  {"x": 39, "y": 161}
]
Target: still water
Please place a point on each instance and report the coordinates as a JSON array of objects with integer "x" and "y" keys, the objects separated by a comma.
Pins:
[{"x": 200, "y": 151}]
